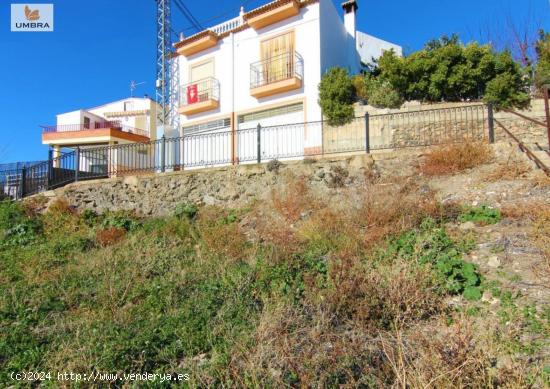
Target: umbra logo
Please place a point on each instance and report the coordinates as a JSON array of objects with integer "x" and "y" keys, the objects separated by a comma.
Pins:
[{"x": 31, "y": 17}]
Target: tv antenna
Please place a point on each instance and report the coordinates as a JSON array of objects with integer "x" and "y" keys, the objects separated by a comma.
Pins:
[{"x": 133, "y": 86}]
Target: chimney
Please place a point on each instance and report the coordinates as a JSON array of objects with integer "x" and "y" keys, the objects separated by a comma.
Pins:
[{"x": 350, "y": 9}]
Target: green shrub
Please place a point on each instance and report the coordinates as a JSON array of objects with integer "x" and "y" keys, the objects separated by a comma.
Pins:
[
  {"x": 122, "y": 220},
  {"x": 382, "y": 94},
  {"x": 188, "y": 210},
  {"x": 90, "y": 218},
  {"x": 22, "y": 233},
  {"x": 480, "y": 215},
  {"x": 360, "y": 85},
  {"x": 11, "y": 213},
  {"x": 336, "y": 96},
  {"x": 16, "y": 228},
  {"x": 447, "y": 70},
  {"x": 431, "y": 245}
]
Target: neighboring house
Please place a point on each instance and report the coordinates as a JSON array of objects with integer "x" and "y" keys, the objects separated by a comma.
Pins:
[
  {"x": 124, "y": 121},
  {"x": 371, "y": 48},
  {"x": 264, "y": 67}
]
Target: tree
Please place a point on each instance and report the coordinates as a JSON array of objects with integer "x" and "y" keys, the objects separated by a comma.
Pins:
[
  {"x": 508, "y": 89},
  {"x": 336, "y": 96},
  {"x": 542, "y": 73},
  {"x": 447, "y": 70}
]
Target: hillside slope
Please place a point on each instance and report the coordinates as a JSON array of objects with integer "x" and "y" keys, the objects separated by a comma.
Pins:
[{"x": 417, "y": 273}]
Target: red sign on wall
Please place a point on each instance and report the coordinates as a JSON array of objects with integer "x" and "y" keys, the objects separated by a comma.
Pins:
[{"x": 192, "y": 95}]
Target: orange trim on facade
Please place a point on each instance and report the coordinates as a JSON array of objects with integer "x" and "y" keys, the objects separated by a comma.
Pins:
[
  {"x": 276, "y": 87},
  {"x": 272, "y": 13},
  {"x": 202, "y": 106},
  {"x": 197, "y": 43},
  {"x": 62, "y": 137}
]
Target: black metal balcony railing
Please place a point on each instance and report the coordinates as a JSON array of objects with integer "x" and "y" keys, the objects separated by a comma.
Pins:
[
  {"x": 278, "y": 68},
  {"x": 199, "y": 91},
  {"x": 96, "y": 125}
]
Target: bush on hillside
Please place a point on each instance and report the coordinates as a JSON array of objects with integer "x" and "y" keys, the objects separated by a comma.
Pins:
[
  {"x": 454, "y": 158},
  {"x": 336, "y": 96},
  {"x": 447, "y": 70},
  {"x": 382, "y": 94}
]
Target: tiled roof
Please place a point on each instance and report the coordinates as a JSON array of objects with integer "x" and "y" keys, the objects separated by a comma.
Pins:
[
  {"x": 258, "y": 11},
  {"x": 267, "y": 7}
]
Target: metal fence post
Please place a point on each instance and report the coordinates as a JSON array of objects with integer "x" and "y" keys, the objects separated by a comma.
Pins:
[
  {"x": 259, "y": 132},
  {"x": 76, "y": 163},
  {"x": 49, "y": 173},
  {"x": 163, "y": 154},
  {"x": 367, "y": 132},
  {"x": 491, "y": 119},
  {"x": 23, "y": 181}
]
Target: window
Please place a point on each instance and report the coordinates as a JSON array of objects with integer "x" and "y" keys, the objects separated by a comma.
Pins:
[
  {"x": 200, "y": 75},
  {"x": 86, "y": 122},
  {"x": 128, "y": 105},
  {"x": 202, "y": 70},
  {"x": 255, "y": 116},
  {"x": 213, "y": 125},
  {"x": 277, "y": 54}
]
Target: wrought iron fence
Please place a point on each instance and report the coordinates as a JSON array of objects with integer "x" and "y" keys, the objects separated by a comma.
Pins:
[
  {"x": 277, "y": 68},
  {"x": 223, "y": 146}
]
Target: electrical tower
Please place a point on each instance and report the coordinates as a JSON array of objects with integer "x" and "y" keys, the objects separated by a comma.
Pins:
[
  {"x": 164, "y": 44},
  {"x": 167, "y": 83}
]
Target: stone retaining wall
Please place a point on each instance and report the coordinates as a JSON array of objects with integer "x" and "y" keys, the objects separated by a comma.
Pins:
[{"x": 159, "y": 194}]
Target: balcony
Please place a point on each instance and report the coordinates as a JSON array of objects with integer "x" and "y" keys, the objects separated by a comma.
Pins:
[
  {"x": 272, "y": 13},
  {"x": 278, "y": 74},
  {"x": 93, "y": 132},
  {"x": 197, "y": 43},
  {"x": 199, "y": 96}
]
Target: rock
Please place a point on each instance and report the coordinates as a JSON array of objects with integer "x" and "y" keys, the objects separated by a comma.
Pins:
[
  {"x": 493, "y": 262},
  {"x": 467, "y": 226}
]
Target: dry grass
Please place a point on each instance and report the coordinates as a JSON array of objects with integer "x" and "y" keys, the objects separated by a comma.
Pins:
[
  {"x": 454, "y": 158},
  {"x": 110, "y": 236},
  {"x": 220, "y": 235},
  {"x": 293, "y": 200},
  {"x": 537, "y": 214},
  {"x": 512, "y": 169}
]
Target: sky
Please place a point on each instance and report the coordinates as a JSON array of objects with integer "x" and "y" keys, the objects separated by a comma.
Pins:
[{"x": 98, "y": 47}]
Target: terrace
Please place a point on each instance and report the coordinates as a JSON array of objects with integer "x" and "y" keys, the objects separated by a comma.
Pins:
[{"x": 88, "y": 133}]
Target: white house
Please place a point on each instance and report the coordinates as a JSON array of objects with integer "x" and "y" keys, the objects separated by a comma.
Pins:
[
  {"x": 126, "y": 121},
  {"x": 264, "y": 66}
]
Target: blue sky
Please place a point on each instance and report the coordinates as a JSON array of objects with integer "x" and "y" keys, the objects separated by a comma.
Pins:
[{"x": 99, "y": 46}]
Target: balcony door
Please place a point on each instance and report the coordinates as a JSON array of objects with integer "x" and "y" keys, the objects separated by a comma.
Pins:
[
  {"x": 277, "y": 56},
  {"x": 200, "y": 88}
]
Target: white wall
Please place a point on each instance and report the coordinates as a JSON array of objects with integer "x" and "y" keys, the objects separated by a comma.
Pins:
[
  {"x": 234, "y": 54},
  {"x": 138, "y": 103},
  {"x": 333, "y": 38},
  {"x": 77, "y": 117},
  {"x": 370, "y": 47}
]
